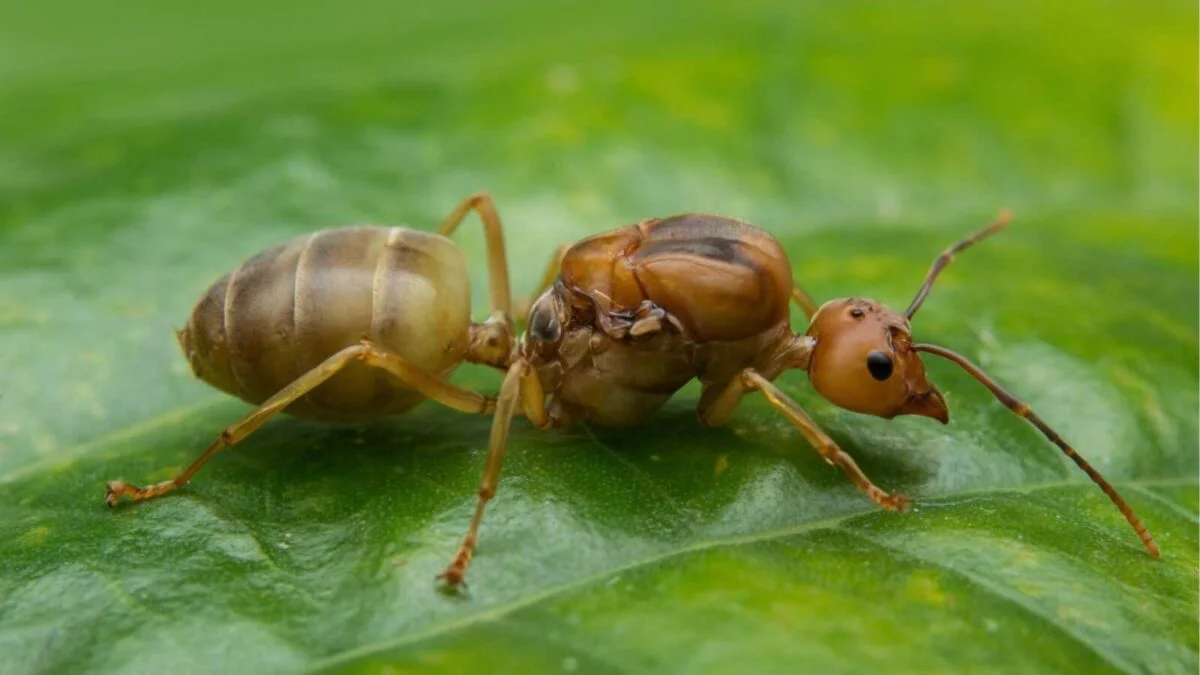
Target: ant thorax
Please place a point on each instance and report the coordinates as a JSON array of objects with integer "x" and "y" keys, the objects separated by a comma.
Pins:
[{"x": 606, "y": 367}]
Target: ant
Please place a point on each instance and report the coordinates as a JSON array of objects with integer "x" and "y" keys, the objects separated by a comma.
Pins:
[{"x": 624, "y": 319}]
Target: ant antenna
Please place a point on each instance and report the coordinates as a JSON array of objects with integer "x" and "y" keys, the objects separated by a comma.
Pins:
[
  {"x": 947, "y": 256},
  {"x": 1022, "y": 409}
]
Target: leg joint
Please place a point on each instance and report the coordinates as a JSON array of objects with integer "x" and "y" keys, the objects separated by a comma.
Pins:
[
  {"x": 828, "y": 450},
  {"x": 750, "y": 379},
  {"x": 363, "y": 350}
]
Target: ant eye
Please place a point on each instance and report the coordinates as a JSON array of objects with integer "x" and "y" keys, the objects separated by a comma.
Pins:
[
  {"x": 880, "y": 365},
  {"x": 857, "y": 312}
]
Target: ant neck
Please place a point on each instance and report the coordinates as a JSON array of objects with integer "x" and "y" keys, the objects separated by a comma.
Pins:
[
  {"x": 492, "y": 342},
  {"x": 794, "y": 350}
]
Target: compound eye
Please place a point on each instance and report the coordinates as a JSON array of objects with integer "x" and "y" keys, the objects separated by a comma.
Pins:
[{"x": 880, "y": 365}]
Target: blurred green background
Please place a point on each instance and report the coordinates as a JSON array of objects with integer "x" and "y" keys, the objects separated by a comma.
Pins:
[{"x": 146, "y": 148}]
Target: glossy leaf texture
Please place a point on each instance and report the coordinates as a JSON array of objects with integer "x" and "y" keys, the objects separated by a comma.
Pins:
[{"x": 146, "y": 149}]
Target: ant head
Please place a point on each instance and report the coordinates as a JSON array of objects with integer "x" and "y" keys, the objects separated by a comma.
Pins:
[{"x": 863, "y": 361}]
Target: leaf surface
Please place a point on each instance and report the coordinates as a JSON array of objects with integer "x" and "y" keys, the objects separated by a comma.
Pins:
[{"x": 146, "y": 150}]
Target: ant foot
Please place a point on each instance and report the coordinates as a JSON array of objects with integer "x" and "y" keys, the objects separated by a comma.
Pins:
[
  {"x": 119, "y": 488},
  {"x": 892, "y": 502},
  {"x": 114, "y": 490},
  {"x": 898, "y": 503},
  {"x": 453, "y": 579}
]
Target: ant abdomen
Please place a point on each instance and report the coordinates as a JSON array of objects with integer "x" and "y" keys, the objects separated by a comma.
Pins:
[
  {"x": 286, "y": 310},
  {"x": 348, "y": 324}
]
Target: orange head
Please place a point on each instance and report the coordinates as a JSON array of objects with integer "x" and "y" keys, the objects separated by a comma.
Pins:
[{"x": 863, "y": 361}]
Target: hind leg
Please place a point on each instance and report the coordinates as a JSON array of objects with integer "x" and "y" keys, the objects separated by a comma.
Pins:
[
  {"x": 481, "y": 203},
  {"x": 430, "y": 386}
]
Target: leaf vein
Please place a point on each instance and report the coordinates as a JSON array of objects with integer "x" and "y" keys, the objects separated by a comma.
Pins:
[{"x": 502, "y": 611}]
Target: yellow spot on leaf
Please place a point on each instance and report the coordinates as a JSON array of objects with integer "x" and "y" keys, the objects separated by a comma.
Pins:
[
  {"x": 722, "y": 464},
  {"x": 1026, "y": 557},
  {"x": 925, "y": 588},
  {"x": 36, "y": 537}
]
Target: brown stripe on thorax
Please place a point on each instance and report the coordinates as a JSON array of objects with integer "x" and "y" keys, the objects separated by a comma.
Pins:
[{"x": 713, "y": 248}]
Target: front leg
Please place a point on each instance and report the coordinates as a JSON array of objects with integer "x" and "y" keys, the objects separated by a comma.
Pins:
[{"x": 715, "y": 411}]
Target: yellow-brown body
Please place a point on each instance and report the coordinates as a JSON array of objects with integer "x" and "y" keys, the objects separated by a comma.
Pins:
[
  {"x": 287, "y": 309},
  {"x": 358, "y": 323}
]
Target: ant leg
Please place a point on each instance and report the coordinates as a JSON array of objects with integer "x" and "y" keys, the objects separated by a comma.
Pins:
[
  {"x": 521, "y": 385},
  {"x": 430, "y": 386},
  {"x": 721, "y": 407},
  {"x": 804, "y": 301},
  {"x": 548, "y": 277},
  {"x": 481, "y": 202}
]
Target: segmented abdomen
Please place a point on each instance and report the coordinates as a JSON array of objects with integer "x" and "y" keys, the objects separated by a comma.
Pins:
[{"x": 289, "y": 308}]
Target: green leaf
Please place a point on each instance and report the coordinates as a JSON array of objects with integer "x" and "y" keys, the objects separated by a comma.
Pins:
[{"x": 147, "y": 149}]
